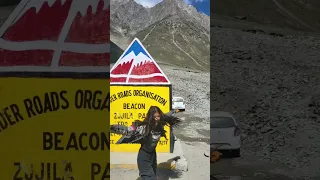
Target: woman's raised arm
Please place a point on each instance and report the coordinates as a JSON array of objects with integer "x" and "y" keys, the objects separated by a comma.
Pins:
[
  {"x": 135, "y": 128},
  {"x": 121, "y": 129},
  {"x": 172, "y": 112}
]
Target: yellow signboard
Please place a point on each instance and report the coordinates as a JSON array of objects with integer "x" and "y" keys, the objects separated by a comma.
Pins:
[
  {"x": 129, "y": 103},
  {"x": 56, "y": 130}
]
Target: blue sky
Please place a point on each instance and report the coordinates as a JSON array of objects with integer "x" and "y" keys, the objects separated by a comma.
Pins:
[{"x": 200, "y": 5}]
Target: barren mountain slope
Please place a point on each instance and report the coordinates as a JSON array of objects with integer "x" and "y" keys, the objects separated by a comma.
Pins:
[
  {"x": 272, "y": 85},
  {"x": 177, "y": 42},
  {"x": 172, "y": 31}
]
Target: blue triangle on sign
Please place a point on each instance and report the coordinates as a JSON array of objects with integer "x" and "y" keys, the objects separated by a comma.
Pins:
[{"x": 137, "y": 48}]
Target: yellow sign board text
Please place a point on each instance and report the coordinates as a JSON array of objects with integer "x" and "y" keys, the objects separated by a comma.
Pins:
[
  {"x": 130, "y": 103},
  {"x": 54, "y": 129}
]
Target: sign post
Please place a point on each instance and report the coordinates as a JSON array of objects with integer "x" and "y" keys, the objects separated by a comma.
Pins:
[
  {"x": 54, "y": 91},
  {"x": 137, "y": 82}
]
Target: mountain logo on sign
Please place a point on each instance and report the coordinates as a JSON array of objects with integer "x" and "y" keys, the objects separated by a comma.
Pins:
[
  {"x": 136, "y": 66},
  {"x": 57, "y": 36}
]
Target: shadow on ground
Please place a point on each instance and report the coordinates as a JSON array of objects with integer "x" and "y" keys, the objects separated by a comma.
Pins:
[{"x": 164, "y": 172}]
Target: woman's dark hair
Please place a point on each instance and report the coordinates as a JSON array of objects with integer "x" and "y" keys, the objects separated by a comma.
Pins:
[{"x": 164, "y": 120}]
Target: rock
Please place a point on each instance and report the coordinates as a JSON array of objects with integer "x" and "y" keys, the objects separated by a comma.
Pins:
[
  {"x": 270, "y": 91},
  {"x": 182, "y": 164}
]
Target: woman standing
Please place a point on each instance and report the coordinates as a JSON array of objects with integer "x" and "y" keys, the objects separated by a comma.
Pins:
[{"x": 147, "y": 133}]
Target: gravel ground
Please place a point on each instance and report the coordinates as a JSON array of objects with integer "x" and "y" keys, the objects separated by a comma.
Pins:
[
  {"x": 194, "y": 133},
  {"x": 271, "y": 83},
  {"x": 198, "y": 166},
  {"x": 193, "y": 86}
]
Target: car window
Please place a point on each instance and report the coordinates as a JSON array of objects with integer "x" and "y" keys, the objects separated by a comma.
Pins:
[
  {"x": 221, "y": 122},
  {"x": 178, "y": 100}
]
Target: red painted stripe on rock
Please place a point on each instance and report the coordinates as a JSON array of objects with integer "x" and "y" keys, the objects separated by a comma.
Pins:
[
  {"x": 93, "y": 28},
  {"x": 118, "y": 80},
  {"x": 44, "y": 25},
  {"x": 26, "y": 58},
  {"x": 122, "y": 68},
  {"x": 145, "y": 69},
  {"x": 149, "y": 80},
  {"x": 79, "y": 59}
]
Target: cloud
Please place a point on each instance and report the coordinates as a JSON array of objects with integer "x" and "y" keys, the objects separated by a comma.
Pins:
[{"x": 148, "y": 3}]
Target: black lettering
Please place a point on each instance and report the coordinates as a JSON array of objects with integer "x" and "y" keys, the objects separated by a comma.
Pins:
[
  {"x": 123, "y": 116},
  {"x": 8, "y": 116},
  {"x": 28, "y": 107},
  {"x": 134, "y": 106},
  {"x": 3, "y": 122},
  {"x": 106, "y": 103},
  {"x": 123, "y": 94},
  {"x": 79, "y": 99},
  {"x": 57, "y": 140},
  {"x": 113, "y": 98},
  {"x": 150, "y": 95},
  {"x": 47, "y": 140},
  {"x": 29, "y": 176},
  {"x": 64, "y": 99},
  {"x": 47, "y": 103},
  {"x": 46, "y": 167},
  {"x": 80, "y": 141},
  {"x": 96, "y": 103},
  {"x": 106, "y": 173},
  {"x": 122, "y": 123},
  {"x": 105, "y": 141},
  {"x": 68, "y": 167},
  {"x": 37, "y": 104},
  {"x": 54, "y": 99},
  {"x": 16, "y": 112},
  {"x": 72, "y": 143},
  {"x": 55, "y": 172},
  {"x": 16, "y": 175},
  {"x": 128, "y": 93},
  {"x": 42, "y": 173},
  {"x": 87, "y": 99},
  {"x": 141, "y": 115},
  {"x": 95, "y": 141},
  {"x": 48, "y": 171},
  {"x": 92, "y": 137},
  {"x": 165, "y": 142},
  {"x": 95, "y": 170}
]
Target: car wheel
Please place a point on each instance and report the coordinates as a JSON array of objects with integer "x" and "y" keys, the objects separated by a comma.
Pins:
[{"x": 236, "y": 153}]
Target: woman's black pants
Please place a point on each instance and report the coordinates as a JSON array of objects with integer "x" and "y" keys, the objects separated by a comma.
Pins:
[{"x": 147, "y": 165}]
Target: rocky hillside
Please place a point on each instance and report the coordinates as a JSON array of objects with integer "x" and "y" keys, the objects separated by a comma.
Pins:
[
  {"x": 116, "y": 52},
  {"x": 300, "y": 15},
  {"x": 172, "y": 31},
  {"x": 271, "y": 82}
]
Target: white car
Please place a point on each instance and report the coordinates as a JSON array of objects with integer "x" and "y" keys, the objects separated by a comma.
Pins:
[
  {"x": 224, "y": 133},
  {"x": 178, "y": 103}
]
